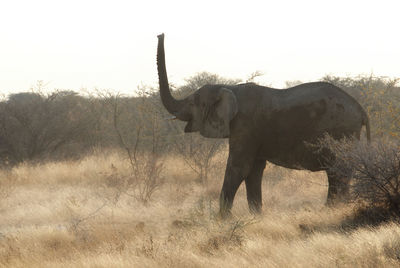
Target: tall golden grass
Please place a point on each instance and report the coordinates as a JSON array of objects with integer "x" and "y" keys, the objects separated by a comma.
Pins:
[{"x": 75, "y": 214}]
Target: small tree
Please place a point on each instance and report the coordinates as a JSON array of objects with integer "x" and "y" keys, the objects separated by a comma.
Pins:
[
  {"x": 144, "y": 156},
  {"x": 251, "y": 78},
  {"x": 198, "y": 153}
]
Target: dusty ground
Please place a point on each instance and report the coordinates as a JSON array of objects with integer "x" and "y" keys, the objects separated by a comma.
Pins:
[{"x": 78, "y": 214}]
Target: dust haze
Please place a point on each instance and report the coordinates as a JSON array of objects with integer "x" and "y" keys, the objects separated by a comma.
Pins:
[{"x": 105, "y": 180}]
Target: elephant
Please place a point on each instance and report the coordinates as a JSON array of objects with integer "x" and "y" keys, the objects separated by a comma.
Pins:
[{"x": 267, "y": 124}]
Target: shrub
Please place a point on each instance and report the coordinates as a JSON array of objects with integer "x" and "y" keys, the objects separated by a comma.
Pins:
[
  {"x": 145, "y": 166},
  {"x": 34, "y": 125},
  {"x": 374, "y": 167}
]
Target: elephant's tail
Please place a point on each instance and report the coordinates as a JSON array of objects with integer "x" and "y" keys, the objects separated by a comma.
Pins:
[{"x": 367, "y": 127}]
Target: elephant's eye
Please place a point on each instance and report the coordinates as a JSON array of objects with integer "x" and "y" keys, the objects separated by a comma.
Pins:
[{"x": 196, "y": 99}]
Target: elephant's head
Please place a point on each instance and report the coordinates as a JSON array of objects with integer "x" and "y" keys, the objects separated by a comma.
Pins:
[{"x": 209, "y": 110}]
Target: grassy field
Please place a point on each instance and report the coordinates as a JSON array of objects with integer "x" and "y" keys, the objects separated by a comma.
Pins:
[{"x": 77, "y": 214}]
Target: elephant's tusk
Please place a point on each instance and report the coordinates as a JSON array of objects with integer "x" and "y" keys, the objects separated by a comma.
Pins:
[{"x": 171, "y": 118}]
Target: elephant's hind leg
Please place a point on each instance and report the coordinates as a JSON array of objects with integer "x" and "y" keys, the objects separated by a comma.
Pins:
[
  {"x": 253, "y": 186},
  {"x": 338, "y": 189}
]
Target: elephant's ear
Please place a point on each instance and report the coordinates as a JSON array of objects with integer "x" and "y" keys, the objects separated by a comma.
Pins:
[{"x": 219, "y": 115}]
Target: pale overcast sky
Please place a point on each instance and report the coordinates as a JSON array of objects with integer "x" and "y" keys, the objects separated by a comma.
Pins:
[{"x": 112, "y": 44}]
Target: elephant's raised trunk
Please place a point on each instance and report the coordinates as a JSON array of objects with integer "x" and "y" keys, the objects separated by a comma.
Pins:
[{"x": 172, "y": 105}]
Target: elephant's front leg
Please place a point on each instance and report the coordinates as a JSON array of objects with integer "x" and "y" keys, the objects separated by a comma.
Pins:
[
  {"x": 237, "y": 169},
  {"x": 253, "y": 186}
]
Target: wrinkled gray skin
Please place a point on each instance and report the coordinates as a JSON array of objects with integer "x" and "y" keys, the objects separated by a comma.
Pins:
[{"x": 266, "y": 124}]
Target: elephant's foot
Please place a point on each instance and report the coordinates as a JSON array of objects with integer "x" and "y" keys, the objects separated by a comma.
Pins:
[
  {"x": 225, "y": 214},
  {"x": 225, "y": 205},
  {"x": 255, "y": 208}
]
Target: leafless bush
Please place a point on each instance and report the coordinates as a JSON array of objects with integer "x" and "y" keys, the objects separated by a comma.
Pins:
[
  {"x": 198, "y": 153},
  {"x": 145, "y": 166},
  {"x": 374, "y": 167}
]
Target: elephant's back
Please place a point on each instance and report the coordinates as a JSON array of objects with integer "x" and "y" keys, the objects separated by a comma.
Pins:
[
  {"x": 305, "y": 115},
  {"x": 333, "y": 105}
]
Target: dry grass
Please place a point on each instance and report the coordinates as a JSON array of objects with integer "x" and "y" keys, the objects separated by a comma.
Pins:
[{"x": 75, "y": 214}]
